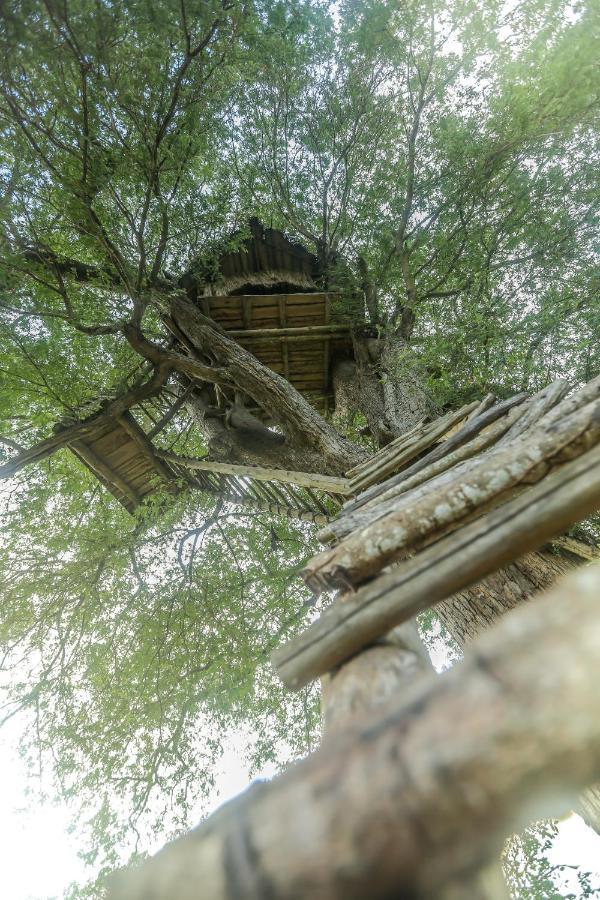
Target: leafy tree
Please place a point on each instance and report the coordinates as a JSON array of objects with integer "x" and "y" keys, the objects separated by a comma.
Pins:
[{"x": 440, "y": 161}]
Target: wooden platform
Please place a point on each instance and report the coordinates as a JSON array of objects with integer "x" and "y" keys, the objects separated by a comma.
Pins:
[
  {"x": 123, "y": 459},
  {"x": 295, "y": 335}
]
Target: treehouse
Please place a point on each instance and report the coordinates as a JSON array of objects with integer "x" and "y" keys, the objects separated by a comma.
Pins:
[{"x": 264, "y": 293}]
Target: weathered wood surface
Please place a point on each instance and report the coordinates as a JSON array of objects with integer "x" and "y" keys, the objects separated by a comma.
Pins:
[
  {"x": 409, "y": 801},
  {"x": 261, "y": 473},
  {"x": 391, "y": 448},
  {"x": 386, "y": 462},
  {"x": 356, "y": 619},
  {"x": 544, "y": 401},
  {"x": 365, "y": 508},
  {"x": 353, "y": 517},
  {"x": 111, "y": 478},
  {"x": 372, "y": 678},
  {"x": 452, "y": 496},
  {"x": 465, "y": 433}
]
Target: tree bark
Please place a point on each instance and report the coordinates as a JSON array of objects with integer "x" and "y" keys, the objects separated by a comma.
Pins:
[
  {"x": 373, "y": 677},
  {"x": 468, "y": 613},
  {"x": 471, "y": 611},
  {"x": 381, "y": 384}
]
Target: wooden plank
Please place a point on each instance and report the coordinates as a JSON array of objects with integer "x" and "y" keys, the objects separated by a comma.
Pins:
[
  {"x": 260, "y": 473},
  {"x": 109, "y": 442},
  {"x": 285, "y": 351},
  {"x": 307, "y": 332},
  {"x": 171, "y": 412},
  {"x": 326, "y": 358},
  {"x": 98, "y": 465},
  {"x": 577, "y": 548},
  {"x": 247, "y": 312},
  {"x": 224, "y": 302},
  {"x": 453, "y": 563},
  {"x": 432, "y": 433},
  {"x": 466, "y": 432},
  {"x": 128, "y": 450},
  {"x": 145, "y": 446}
]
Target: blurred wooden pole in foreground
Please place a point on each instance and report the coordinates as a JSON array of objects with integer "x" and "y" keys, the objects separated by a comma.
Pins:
[{"x": 423, "y": 790}]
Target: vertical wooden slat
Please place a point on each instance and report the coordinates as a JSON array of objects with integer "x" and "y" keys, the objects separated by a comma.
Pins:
[
  {"x": 247, "y": 312},
  {"x": 285, "y": 353},
  {"x": 326, "y": 353}
]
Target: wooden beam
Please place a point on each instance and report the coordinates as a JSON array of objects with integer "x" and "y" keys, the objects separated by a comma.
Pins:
[
  {"x": 304, "y": 332},
  {"x": 453, "y": 563},
  {"x": 260, "y": 473},
  {"x": 285, "y": 353},
  {"x": 418, "y": 794},
  {"x": 247, "y": 312},
  {"x": 375, "y": 473},
  {"x": 158, "y": 427},
  {"x": 326, "y": 345}
]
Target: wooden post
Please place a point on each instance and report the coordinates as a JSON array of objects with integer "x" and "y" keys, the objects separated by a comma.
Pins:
[
  {"x": 382, "y": 671},
  {"x": 422, "y": 791}
]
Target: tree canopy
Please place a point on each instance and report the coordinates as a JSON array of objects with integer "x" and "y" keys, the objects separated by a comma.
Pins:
[{"x": 439, "y": 159}]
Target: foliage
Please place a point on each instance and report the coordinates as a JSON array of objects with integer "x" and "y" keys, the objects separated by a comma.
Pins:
[
  {"x": 439, "y": 158},
  {"x": 529, "y": 873},
  {"x": 136, "y": 647}
]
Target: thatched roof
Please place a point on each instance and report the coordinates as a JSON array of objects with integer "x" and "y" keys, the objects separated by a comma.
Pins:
[{"x": 263, "y": 263}]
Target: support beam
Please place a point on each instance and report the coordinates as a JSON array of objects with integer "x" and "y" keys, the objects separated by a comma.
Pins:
[
  {"x": 409, "y": 802},
  {"x": 306, "y": 331},
  {"x": 260, "y": 473}
]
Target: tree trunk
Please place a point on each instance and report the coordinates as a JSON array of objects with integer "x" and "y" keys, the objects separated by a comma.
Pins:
[
  {"x": 381, "y": 384},
  {"x": 471, "y": 611}
]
